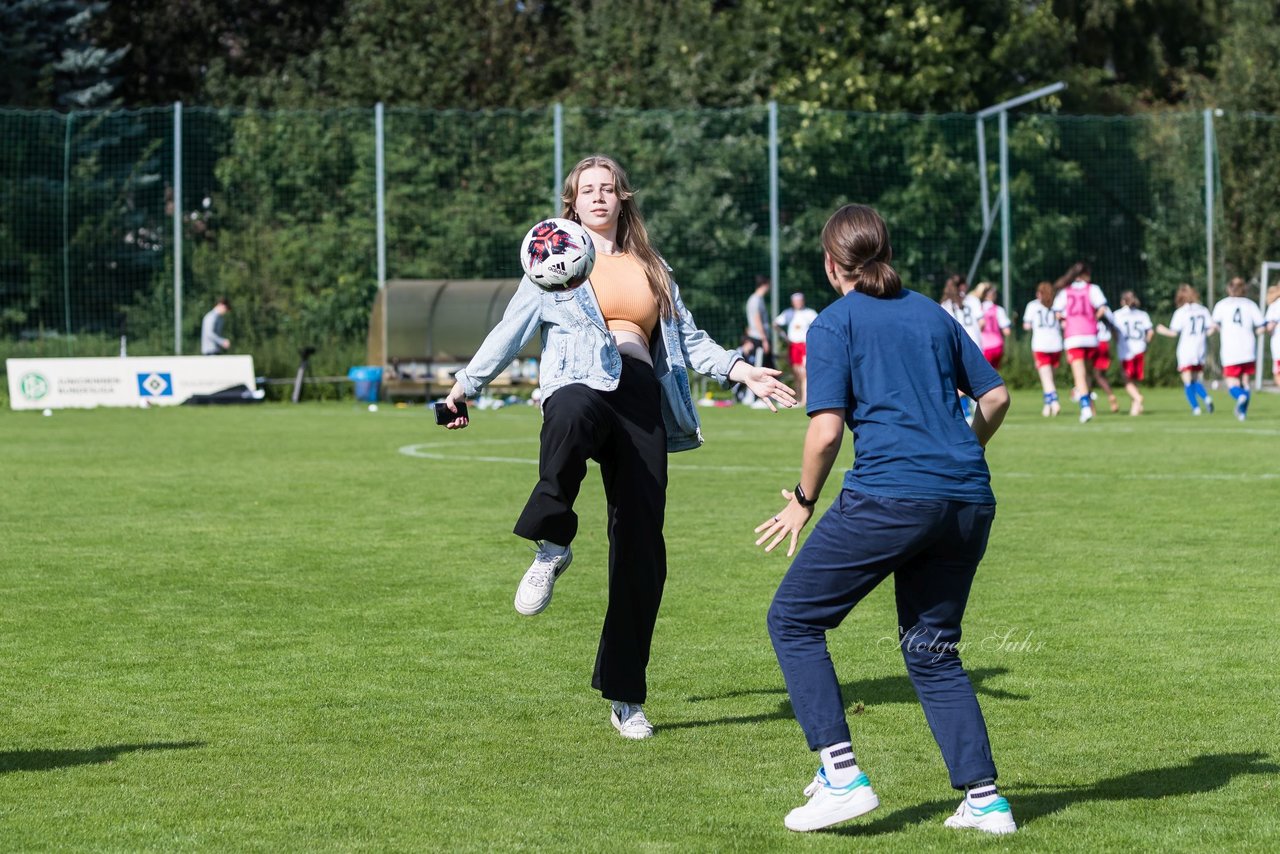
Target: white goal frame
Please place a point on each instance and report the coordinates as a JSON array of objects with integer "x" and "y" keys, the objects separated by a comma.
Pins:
[{"x": 1268, "y": 267}]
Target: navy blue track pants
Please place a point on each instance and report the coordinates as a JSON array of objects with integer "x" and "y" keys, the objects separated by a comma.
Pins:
[{"x": 932, "y": 548}]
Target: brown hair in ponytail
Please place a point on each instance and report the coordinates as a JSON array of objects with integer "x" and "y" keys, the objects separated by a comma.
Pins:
[
  {"x": 1044, "y": 293},
  {"x": 858, "y": 242}
]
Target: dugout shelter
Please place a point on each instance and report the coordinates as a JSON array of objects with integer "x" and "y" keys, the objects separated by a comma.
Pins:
[{"x": 423, "y": 330}]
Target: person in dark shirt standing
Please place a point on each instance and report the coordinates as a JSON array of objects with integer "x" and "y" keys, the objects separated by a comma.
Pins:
[{"x": 917, "y": 504}]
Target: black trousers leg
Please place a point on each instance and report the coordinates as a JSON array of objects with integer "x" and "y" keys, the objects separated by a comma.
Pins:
[
  {"x": 633, "y": 464},
  {"x": 576, "y": 421}
]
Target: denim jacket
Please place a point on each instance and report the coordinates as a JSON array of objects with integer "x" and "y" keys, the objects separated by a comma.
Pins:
[{"x": 577, "y": 348}]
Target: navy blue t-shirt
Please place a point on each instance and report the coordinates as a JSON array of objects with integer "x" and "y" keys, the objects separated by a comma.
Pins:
[{"x": 894, "y": 365}]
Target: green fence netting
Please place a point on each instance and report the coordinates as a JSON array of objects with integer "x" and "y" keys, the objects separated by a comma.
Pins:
[{"x": 278, "y": 209}]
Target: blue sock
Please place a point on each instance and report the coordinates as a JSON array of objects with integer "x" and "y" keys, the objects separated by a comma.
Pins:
[
  {"x": 1244, "y": 399},
  {"x": 1190, "y": 391},
  {"x": 1050, "y": 397},
  {"x": 1085, "y": 401},
  {"x": 1236, "y": 391},
  {"x": 1199, "y": 389}
]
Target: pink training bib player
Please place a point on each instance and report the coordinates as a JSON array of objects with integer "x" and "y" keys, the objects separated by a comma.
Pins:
[
  {"x": 992, "y": 337},
  {"x": 1080, "y": 317}
]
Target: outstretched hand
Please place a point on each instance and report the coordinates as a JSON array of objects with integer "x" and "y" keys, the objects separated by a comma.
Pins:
[
  {"x": 789, "y": 521},
  {"x": 766, "y": 386}
]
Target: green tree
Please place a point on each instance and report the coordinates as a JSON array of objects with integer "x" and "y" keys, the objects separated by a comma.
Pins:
[
  {"x": 49, "y": 56},
  {"x": 174, "y": 47},
  {"x": 1246, "y": 87}
]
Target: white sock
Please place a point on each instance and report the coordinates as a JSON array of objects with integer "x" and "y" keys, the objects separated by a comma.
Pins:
[
  {"x": 551, "y": 548},
  {"x": 981, "y": 793},
  {"x": 839, "y": 763}
]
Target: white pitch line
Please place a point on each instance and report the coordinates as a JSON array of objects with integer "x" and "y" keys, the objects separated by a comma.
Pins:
[
  {"x": 1077, "y": 475},
  {"x": 418, "y": 451},
  {"x": 1108, "y": 429}
]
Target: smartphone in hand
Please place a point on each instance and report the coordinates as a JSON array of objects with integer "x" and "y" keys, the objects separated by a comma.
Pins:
[{"x": 444, "y": 415}]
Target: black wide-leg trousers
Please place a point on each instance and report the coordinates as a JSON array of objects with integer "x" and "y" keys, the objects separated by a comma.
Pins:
[{"x": 622, "y": 430}]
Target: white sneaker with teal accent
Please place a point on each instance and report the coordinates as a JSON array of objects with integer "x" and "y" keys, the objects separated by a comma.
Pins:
[
  {"x": 629, "y": 720},
  {"x": 830, "y": 805},
  {"x": 534, "y": 593},
  {"x": 995, "y": 817}
]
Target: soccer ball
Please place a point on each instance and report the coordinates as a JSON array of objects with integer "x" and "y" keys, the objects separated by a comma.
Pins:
[{"x": 557, "y": 252}]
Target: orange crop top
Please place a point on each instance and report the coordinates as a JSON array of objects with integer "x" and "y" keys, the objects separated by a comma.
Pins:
[{"x": 624, "y": 296}]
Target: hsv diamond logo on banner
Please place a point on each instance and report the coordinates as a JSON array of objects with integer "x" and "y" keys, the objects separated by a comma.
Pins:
[{"x": 155, "y": 385}]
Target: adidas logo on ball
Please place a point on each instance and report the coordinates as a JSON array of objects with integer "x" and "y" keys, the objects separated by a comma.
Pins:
[{"x": 557, "y": 254}]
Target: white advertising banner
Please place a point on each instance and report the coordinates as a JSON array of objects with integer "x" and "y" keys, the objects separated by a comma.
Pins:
[{"x": 130, "y": 381}]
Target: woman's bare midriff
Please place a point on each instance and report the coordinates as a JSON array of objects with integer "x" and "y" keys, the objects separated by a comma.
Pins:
[{"x": 633, "y": 344}]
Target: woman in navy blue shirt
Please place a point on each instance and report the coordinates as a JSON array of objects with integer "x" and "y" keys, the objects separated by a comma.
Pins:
[{"x": 917, "y": 504}]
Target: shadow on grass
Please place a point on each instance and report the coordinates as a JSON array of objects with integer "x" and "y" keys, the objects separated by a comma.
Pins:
[
  {"x": 886, "y": 689},
  {"x": 1032, "y": 802},
  {"x": 48, "y": 760}
]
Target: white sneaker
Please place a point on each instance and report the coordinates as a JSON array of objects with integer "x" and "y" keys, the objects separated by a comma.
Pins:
[
  {"x": 995, "y": 817},
  {"x": 829, "y": 805},
  {"x": 629, "y": 720},
  {"x": 1241, "y": 403},
  {"x": 1086, "y": 414},
  {"x": 1195, "y": 410},
  {"x": 534, "y": 593}
]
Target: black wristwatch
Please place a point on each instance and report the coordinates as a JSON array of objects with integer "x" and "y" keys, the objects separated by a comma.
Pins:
[{"x": 802, "y": 499}]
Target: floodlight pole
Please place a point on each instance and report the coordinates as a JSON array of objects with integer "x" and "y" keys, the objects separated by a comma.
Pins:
[{"x": 1002, "y": 109}]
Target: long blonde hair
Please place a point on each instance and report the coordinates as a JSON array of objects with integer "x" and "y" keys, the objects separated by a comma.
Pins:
[
  {"x": 633, "y": 237},
  {"x": 1185, "y": 294}
]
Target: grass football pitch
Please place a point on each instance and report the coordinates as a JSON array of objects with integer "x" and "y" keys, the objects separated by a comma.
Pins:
[{"x": 290, "y": 628}]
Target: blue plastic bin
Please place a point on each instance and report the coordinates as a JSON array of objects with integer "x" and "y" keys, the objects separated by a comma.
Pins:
[{"x": 368, "y": 381}]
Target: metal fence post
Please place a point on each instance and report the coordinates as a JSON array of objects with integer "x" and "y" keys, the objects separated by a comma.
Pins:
[
  {"x": 380, "y": 192},
  {"x": 557, "y": 170},
  {"x": 66, "y": 225},
  {"x": 982, "y": 178},
  {"x": 1208, "y": 203},
  {"x": 1005, "y": 219},
  {"x": 775, "y": 260},
  {"x": 177, "y": 228}
]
